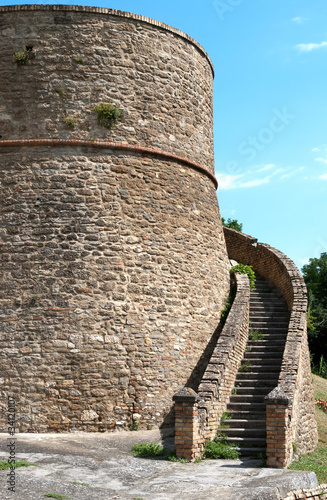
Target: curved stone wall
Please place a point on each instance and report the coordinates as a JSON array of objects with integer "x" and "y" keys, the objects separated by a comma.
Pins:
[
  {"x": 160, "y": 78},
  {"x": 114, "y": 272}
]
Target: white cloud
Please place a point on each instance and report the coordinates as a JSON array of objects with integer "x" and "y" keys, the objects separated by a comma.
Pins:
[
  {"x": 300, "y": 20},
  {"x": 304, "y": 262},
  {"x": 267, "y": 167},
  {"x": 255, "y": 182},
  {"x": 228, "y": 181},
  {"x": 308, "y": 47},
  {"x": 323, "y": 160},
  {"x": 323, "y": 176},
  {"x": 315, "y": 149}
]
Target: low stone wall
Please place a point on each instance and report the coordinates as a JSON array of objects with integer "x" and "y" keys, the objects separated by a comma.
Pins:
[
  {"x": 197, "y": 416},
  {"x": 291, "y": 423}
]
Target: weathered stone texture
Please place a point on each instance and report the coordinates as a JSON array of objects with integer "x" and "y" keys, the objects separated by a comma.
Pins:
[
  {"x": 160, "y": 77},
  {"x": 114, "y": 273}
]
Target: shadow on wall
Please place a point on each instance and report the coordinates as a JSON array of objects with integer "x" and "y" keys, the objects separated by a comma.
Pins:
[{"x": 197, "y": 374}]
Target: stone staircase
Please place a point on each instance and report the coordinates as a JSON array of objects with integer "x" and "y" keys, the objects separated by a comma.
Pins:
[{"x": 259, "y": 370}]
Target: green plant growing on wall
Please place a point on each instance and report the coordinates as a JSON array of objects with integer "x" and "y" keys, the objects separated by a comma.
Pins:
[
  {"x": 244, "y": 269},
  {"x": 135, "y": 425},
  {"x": 78, "y": 59},
  {"x": 61, "y": 91},
  {"x": 22, "y": 57},
  {"x": 108, "y": 114},
  {"x": 71, "y": 121}
]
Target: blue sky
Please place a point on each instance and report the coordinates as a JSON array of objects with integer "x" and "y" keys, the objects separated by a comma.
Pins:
[{"x": 270, "y": 116}]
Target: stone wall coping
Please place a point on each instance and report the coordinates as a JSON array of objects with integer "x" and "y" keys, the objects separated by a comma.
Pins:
[
  {"x": 277, "y": 397},
  {"x": 186, "y": 394},
  {"x": 121, "y": 146},
  {"x": 109, "y": 12}
]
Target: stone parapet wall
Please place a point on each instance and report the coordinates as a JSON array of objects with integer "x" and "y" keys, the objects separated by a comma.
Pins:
[
  {"x": 160, "y": 77},
  {"x": 197, "y": 415},
  {"x": 295, "y": 377}
]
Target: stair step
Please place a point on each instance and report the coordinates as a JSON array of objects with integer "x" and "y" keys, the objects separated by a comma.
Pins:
[
  {"x": 245, "y": 433},
  {"x": 255, "y": 407},
  {"x": 251, "y": 389},
  {"x": 246, "y": 398},
  {"x": 260, "y": 365},
  {"x": 265, "y": 345},
  {"x": 261, "y": 354},
  {"x": 247, "y": 451},
  {"x": 244, "y": 423},
  {"x": 250, "y": 442},
  {"x": 248, "y": 415},
  {"x": 269, "y": 383}
]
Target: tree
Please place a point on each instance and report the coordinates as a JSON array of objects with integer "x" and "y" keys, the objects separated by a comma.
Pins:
[
  {"x": 232, "y": 224},
  {"x": 315, "y": 277}
]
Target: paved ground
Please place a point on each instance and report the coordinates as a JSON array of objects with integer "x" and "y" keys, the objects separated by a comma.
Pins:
[{"x": 104, "y": 464}]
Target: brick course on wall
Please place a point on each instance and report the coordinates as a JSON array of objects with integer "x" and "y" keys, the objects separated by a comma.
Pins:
[
  {"x": 298, "y": 435},
  {"x": 113, "y": 260}
]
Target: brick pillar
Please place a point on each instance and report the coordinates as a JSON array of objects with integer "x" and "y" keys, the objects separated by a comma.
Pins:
[
  {"x": 187, "y": 437},
  {"x": 277, "y": 425}
]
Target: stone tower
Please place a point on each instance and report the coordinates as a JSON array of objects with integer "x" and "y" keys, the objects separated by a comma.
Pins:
[{"x": 114, "y": 268}]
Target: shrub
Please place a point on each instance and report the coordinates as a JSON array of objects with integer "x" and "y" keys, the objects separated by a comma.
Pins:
[
  {"x": 218, "y": 448},
  {"x": 108, "y": 114},
  {"x": 244, "y": 269},
  {"x": 147, "y": 450},
  {"x": 21, "y": 57}
]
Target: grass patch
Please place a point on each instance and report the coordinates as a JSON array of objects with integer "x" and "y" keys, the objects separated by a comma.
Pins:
[
  {"x": 218, "y": 448},
  {"x": 55, "y": 495},
  {"x": 147, "y": 450},
  {"x": 317, "y": 460},
  {"x": 172, "y": 458},
  {"x": 5, "y": 465}
]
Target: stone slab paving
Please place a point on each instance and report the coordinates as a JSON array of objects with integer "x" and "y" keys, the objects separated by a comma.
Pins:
[{"x": 104, "y": 463}]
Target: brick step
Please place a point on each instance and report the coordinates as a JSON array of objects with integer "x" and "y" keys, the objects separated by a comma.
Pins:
[
  {"x": 280, "y": 333},
  {"x": 266, "y": 345},
  {"x": 269, "y": 296},
  {"x": 251, "y": 389},
  {"x": 257, "y": 375},
  {"x": 268, "y": 383},
  {"x": 266, "y": 323},
  {"x": 246, "y": 432},
  {"x": 237, "y": 423},
  {"x": 261, "y": 365},
  {"x": 255, "y": 354},
  {"x": 255, "y": 407},
  {"x": 246, "y": 451},
  {"x": 246, "y": 398},
  {"x": 268, "y": 309},
  {"x": 248, "y": 442},
  {"x": 247, "y": 415}
]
